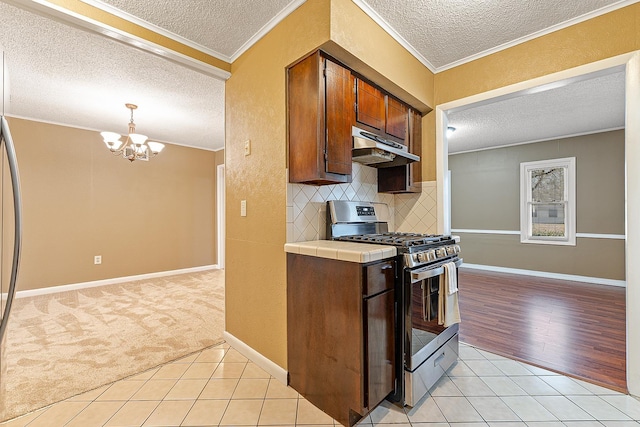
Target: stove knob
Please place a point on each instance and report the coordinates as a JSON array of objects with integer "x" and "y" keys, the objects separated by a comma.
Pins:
[
  {"x": 422, "y": 256},
  {"x": 457, "y": 248},
  {"x": 432, "y": 255},
  {"x": 441, "y": 252}
]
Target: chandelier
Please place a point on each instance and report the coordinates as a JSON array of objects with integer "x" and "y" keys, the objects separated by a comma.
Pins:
[{"x": 135, "y": 146}]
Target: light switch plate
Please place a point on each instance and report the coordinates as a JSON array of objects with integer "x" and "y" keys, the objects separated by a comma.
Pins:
[
  {"x": 243, "y": 208},
  {"x": 247, "y": 147}
]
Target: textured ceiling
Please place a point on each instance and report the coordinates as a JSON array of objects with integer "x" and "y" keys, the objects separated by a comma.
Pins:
[
  {"x": 444, "y": 32},
  {"x": 64, "y": 74},
  {"x": 219, "y": 25},
  {"x": 566, "y": 108},
  {"x": 67, "y": 75}
]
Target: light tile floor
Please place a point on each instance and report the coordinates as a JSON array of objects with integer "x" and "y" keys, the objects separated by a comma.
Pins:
[{"x": 219, "y": 386}]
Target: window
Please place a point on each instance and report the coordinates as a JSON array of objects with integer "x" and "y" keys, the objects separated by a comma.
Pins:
[{"x": 548, "y": 202}]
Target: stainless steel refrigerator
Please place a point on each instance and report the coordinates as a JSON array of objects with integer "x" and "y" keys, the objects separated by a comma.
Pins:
[{"x": 10, "y": 226}]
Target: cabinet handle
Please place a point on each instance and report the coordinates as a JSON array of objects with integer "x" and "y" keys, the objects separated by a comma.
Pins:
[
  {"x": 438, "y": 360},
  {"x": 387, "y": 267}
]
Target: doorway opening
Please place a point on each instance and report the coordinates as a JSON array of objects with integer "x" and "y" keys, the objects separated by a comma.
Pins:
[{"x": 631, "y": 63}]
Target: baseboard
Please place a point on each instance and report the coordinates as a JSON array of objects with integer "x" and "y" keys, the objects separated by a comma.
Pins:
[
  {"x": 93, "y": 284},
  {"x": 270, "y": 367},
  {"x": 547, "y": 275}
]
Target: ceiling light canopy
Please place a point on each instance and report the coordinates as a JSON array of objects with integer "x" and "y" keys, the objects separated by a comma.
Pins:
[{"x": 135, "y": 146}]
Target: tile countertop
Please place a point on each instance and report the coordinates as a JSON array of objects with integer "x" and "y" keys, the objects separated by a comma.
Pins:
[{"x": 343, "y": 251}]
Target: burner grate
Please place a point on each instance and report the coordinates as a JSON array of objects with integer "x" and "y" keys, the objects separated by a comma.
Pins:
[{"x": 396, "y": 239}]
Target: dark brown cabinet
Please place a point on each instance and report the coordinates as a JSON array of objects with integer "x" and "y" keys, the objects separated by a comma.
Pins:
[
  {"x": 341, "y": 333},
  {"x": 325, "y": 99},
  {"x": 405, "y": 179},
  {"x": 378, "y": 111},
  {"x": 396, "y": 118},
  {"x": 370, "y": 108},
  {"x": 320, "y": 108}
]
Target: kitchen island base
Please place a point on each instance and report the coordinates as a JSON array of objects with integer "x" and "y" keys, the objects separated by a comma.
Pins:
[{"x": 341, "y": 333}]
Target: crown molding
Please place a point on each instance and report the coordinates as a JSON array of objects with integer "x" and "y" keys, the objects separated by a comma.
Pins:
[
  {"x": 67, "y": 16},
  {"x": 156, "y": 29},
  {"x": 394, "y": 34},
  {"x": 535, "y": 35},
  {"x": 266, "y": 28}
]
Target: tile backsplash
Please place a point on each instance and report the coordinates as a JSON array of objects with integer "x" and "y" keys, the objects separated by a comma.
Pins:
[
  {"x": 417, "y": 212},
  {"x": 307, "y": 207}
]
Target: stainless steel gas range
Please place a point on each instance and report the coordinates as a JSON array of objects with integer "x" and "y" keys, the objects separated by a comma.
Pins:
[{"x": 426, "y": 346}]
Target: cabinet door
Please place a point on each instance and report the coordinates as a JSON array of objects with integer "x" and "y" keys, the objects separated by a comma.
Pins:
[
  {"x": 396, "y": 123},
  {"x": 338, "y": 118},
  {"x": 320, "y": 110},
  {"x": 370, "y": 100},
  {"x": 405, "y": 179},
  {"x": 380, "y": 347},
  {"x": 415, "y": 147}
]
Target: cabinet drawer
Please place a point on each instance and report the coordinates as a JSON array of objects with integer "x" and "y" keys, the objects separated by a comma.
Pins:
[{"x": 379, "y": 277}]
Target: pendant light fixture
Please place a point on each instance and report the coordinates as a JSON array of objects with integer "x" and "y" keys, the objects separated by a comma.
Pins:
[{"x": 135, "y": 146}]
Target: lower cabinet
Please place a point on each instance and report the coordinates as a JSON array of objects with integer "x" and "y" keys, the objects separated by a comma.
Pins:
[{"x": 341, "y": 333}]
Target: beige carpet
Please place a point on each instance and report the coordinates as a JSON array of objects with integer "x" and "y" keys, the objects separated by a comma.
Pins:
[{"x": 62, "y": 344}]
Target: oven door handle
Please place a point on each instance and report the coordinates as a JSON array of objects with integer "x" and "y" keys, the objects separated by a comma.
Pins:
[
  {"x": 417, "y": 276},
  {"x": 427, "y": 272}
]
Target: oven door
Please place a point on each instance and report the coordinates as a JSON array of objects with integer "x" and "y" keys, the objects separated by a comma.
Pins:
[{"x": 423, "y": 334}]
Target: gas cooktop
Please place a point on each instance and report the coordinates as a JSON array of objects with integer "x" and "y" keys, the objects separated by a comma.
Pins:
[{"x": 396, "y": 238}]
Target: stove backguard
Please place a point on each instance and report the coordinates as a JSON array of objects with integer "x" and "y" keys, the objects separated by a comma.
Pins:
[{"x": 347, "y": 218}]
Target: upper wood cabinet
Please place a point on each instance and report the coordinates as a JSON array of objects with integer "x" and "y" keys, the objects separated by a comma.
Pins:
[
  {"x": 415, "y": 146},
  {"x": 370, "y": 105},
  {"x": 405, "y": 179},
  {"x": 320, "y": 104},
  {"x": 396, "y": 118},
  {"x": 325, "y": 99},
  {"x": 378, "y": 110}
]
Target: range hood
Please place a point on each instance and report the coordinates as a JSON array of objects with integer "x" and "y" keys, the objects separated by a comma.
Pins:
[{"x": 373, "y": 150}]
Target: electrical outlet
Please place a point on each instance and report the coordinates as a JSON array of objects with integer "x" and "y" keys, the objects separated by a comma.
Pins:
[
  {"x": 243, "y": 208},
  {"x": 247, "y": 147},
  {"x": 97, "y": 259}
]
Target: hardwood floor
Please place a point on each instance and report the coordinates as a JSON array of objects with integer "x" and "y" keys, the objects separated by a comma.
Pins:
[{"x": 570, "y": 327}]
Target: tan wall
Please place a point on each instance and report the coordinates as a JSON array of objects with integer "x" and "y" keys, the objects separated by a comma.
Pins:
[
  {"x": 255, "y": 295},
  {"x": 486, "y": 196},
  {"x": 80, "y": 201},
  {"x": 255, "y": 110}
]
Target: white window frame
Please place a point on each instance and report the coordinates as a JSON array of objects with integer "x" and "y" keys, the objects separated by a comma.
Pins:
[{"x": 569, "y": 164}]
